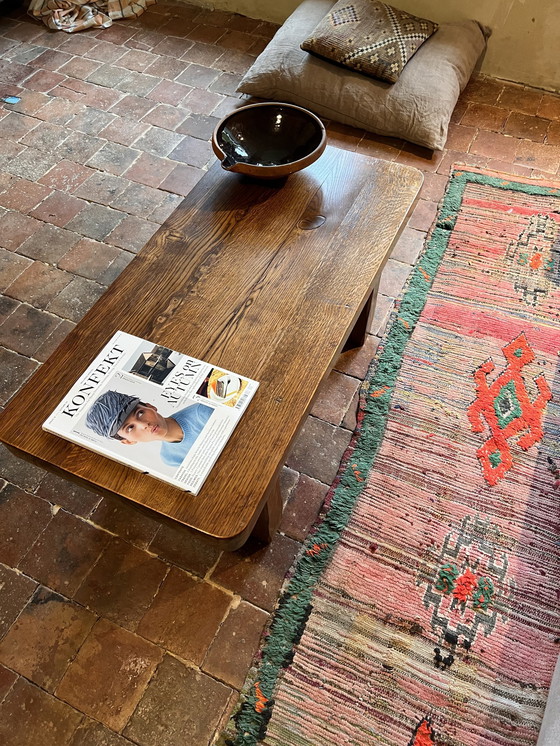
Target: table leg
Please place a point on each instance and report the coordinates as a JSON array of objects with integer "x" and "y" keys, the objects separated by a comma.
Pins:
[
  {"x": 357, "y": 336},
  {"x": 269, "y": 519}
]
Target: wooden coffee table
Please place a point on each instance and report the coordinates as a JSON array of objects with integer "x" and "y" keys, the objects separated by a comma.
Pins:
[{"x": 270, "y": 280}]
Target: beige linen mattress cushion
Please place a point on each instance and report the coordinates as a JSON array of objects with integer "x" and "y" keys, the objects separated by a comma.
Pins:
[{"x": 417, "y": 107}]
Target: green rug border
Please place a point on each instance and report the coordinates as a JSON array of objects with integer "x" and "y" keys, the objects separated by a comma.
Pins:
[{"x": 295, "y": 603}]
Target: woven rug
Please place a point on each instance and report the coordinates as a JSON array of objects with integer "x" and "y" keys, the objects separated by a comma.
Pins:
[{"x": 425, "y": 607}]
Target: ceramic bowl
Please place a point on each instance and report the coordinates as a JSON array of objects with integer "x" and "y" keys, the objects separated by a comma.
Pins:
[{"x": 269, "y": 140}]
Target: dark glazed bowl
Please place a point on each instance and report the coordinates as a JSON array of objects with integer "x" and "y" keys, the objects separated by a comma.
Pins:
[{"x": 269, "y": 140}]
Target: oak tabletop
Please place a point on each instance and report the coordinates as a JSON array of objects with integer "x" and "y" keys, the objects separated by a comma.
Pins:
[{"x": 262, "y": 278}]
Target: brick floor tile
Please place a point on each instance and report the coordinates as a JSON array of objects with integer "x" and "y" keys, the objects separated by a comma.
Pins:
[
  {"x": 226, "y": 83},
  {"x": 24, "y": 32},
  {"x": 173, "y": 619},
  {"x": 419, "y": 157},
  {"x": 233, "y": 648},
  {"x": 11, "y": 266},
  {"x": 23, "y": 195},
  {"x": 31, "y": 717},
  {"x": 136, "y": 59},
  {"x": 138, "y": 199},
  {"x": 423, "y": 215},
  {"x": 149, "y": 169},
  {"x": 139, "y": 84},
  {"x": 89, "y": 258},
  {"x": 51, "y": 342},
  {"x": 124, "y": 519},
  {"x": 169, "y": 92},
  {"x": 356, "y": 362},
  {"x": 109, "y": 675},
  {"x": 66, "y": 176},
  {"x": 483, "y": 90},
  {"x": 318, "y": 449},
  {"x": 158, "y": 142},
  {"x": 78, "y": 44},
  {"x": 91, "y": 94},
  {"x": 64, "y": 553},
  {"x": 79, "y": 147},
  {"x": 459, "y": 136},
  {"x": 59, "y": 111},
  {"x": 132, "y": 107},
  {"x": 46, "y": 137},
  {"x": 101, "y": 187},
  {"x": 23, "y": 474},
  {"x": 181, "y": 179},
  {"x": 553, "y": 134},
  {"x": 68, "y": 495},
  {"x": 518, "y": 98},
  {"x": 393, "y": 277},
  {"x": 108, "y": 75},
  {"x": 16, "y": 592},
  {"x": 26, "y": 53},
  {"x": 452, "y": 157},
  {"x": 166, "y": 67},
  {"x": 203, "y": 34},
  {"x": 16, "y": 228},
  {"x": 549, "y": 107},
  {"x": 38, "y": 284},
  {"x": 122, "y": 584},
  {"x": 45, "y": 638},
  {"x": 409, "y": 245},
  {"x": 58, "y": 208},
  {"x": 31, "y": 101},
  {"x": 31, "y": 164},
  {"x": 14, "y": 125},
  {"x": 104, "y": 51},
  {"x": 256, "y": 572},
  {"x": 91, "y": 121},
  {"x": 44, "y": 80},
  {"x": 525, "y": 126},
  {"x": 203, "y": 54},
  {"x": 76, "y": 299},
  {"x": 90, "y": 733},
  {"x": 173, "y": 46},
  {"x": 202, "y": 102},
  {"x": 51, "y": 59},
  {"x": 170, "y": 203},
  {"x": 123, "y": 131},
  {"x": 334, "y": 397},
  {"x": 95, "y": 221},
  {"x": 116, "y": 267},
  {"x": 303, "y": 507},
  {"x": 113, "y": 158},
  {"x": 180, "y": 706},
  {"x": 81, "y": 68},
  {"x": 178, "y": 546},
  {"x": 23, "y": 518},
  {"x": 9, "y": 151},
  {"x": 198, "y": 125},
  {"x": 7, "y": 680},
  {"x": 14, "y": 372},
  {"x": 13, "y": 72},
  {"x": 132, "y": 233},
  {"x": 494, "y": 145},
  {"x": 193, "y": 152},
  {"x": 198, "y": 76},
  {"x": 165, "y": 116},
  {"x": 233, "y": 61},
  {"x": 47, "y": 243},
  {"x": 178, "y": 26},
  {"x": 538, "y": 155},
  {"x": 24, "y": 330}
]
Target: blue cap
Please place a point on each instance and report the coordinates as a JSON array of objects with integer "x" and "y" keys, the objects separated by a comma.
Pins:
[{"x": 109, "y": 412}]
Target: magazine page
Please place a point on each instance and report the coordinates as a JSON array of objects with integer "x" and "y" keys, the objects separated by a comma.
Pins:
[{"x": 157, "y": 410}]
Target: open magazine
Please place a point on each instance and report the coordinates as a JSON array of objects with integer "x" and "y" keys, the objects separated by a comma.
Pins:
[{"x": 159, "y": 411}]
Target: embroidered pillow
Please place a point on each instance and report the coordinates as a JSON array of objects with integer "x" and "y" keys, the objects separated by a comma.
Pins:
[{"x": 370, "y": 37}]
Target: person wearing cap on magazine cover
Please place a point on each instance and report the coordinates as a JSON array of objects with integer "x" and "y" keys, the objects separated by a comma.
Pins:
[{"x": 127, "y": 419}]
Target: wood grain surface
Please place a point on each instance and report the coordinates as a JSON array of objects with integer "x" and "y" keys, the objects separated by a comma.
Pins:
[{"x": 240, "y": 277}]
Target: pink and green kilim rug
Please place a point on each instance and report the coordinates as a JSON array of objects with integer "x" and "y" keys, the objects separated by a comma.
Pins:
[{"x": 425, "y": 607}]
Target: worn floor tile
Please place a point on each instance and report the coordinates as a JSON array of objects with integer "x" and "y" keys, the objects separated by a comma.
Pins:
[
  {"x": 303, "y": 507},
  {"x": 174, "y": 618},
  {"x": 256, "y": 572},
  {"x": 68, "y": 495},
  {"x": 16, "y": 591},
  {"x": 334, "y": 397},
  {"x": 64, "y": 553},
  {"x": 233, "y": 648},
  {"x": 31, "y": 717},
  {"x": 122, "y": 584},
  {"x": 108, "y": 676},
  {"x": 181, "y": 706},
  {"x": 45, "y": 638},
  {"x": 189, "y": 551},
  {"x": 124, "y": 519},
  {"x": 318, "y": 448},
  {"x": 14, "y": 371},
  {"x": 7, "y": 680},
  {"x": 22, "y": 518},
  {"x": 91, "y": 733}
]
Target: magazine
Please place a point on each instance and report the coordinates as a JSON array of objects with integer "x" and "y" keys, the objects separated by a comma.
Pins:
[{"x": 159, "y": 411}]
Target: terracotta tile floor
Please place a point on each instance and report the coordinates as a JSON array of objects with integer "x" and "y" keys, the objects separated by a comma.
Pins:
[{"x": 113, "y": 629}]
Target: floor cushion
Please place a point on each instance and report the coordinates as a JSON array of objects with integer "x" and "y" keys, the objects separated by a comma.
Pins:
[{"x": 417, "y": 107}]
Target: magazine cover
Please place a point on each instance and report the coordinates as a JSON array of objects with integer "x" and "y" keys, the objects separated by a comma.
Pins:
[{"x": 159, "y": 411}]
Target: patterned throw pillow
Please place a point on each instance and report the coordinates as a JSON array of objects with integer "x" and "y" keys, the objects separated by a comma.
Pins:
[{"x": 370, "y": 37}]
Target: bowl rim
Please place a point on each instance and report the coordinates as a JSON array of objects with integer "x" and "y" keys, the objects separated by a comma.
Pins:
[{"x": 312, "y": 115}]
